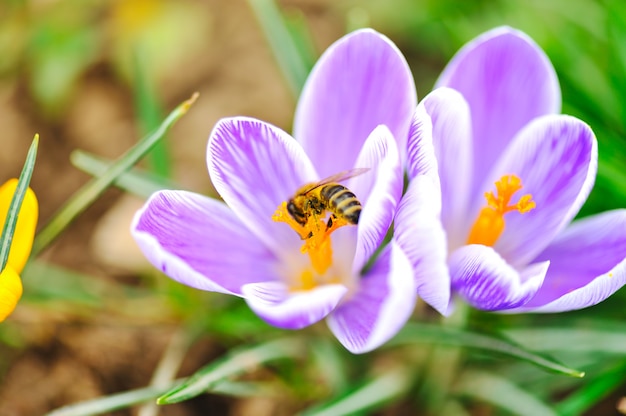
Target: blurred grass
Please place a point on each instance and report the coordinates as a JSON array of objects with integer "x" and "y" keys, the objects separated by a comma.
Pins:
[{"x": 55, "y": 44}]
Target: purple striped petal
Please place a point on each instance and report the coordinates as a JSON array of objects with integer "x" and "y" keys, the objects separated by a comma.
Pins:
[
  {"x": 507, "y": 80},
  {"x": 487, "y": 282},
  {"x": 199, "y": 242},
  {"x": 452, "y": 141},
  {"x": 380, "y": 190},
  {"x": 421, "y": 158},
  {"x": 418, "y": 231},
  {"x": 279, "y": 307},
  {"x": 255, "y": 167},
  {"x": 556, "y": 159},
  {"x": 361, "y": 81},
  {"x": 380, "y": 306},
  {"x": 587, "y": 264}
]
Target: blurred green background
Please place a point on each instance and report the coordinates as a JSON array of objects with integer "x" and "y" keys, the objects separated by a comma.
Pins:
[{"x": 96, "y": 75}]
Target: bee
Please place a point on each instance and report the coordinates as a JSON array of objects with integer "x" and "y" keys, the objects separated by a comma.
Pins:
[{"x": 327, "y": 195}]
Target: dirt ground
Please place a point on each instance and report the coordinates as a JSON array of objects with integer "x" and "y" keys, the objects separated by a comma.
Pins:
[{"x": 72, "y": 355}]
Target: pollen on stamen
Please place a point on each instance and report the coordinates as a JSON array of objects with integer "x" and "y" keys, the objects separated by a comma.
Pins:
[
  {"x": 282, "y": 215},
  {"x": 490, "y": 222},
  {"x": 316, "y": 234},
  {"x": 525, "y": 204}
]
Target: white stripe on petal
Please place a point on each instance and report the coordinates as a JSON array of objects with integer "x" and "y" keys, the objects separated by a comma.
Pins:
[
  {"x": 452, "y": 142},
  {"x": 487, "y": 282},
  {"x": 199, "y": 242},
  {"x": 379, "y": 190},
  {"x": 586, "y": 264},
  {"x": 279, "y": 307},
  {"x": 591, "y": 294},
  {"x": 419, "y": 232}
]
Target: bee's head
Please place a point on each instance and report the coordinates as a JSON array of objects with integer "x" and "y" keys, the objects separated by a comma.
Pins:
[{"x": 296, "y": 212}]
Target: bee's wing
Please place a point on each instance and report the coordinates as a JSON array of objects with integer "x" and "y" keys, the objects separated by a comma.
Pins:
[{"x": 337, "y": 177}]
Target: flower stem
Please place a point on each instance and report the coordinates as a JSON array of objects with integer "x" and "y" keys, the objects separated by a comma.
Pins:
[{"x": 443, "y": 365}]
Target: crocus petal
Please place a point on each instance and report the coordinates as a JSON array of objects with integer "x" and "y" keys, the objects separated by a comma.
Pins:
[
  {"x": 418, "y": 231},
  {"x": 449, "y": 115},
  {"x": 556, "y": 159},
  {"x": 279, "y": 307},
  {"x": 507, "y": 80},
  {"x": 255, "y": 167},
  {"x": 421, "y": 158},
  {"x": 587, "y": 264},
  {"x": 201, "y": 243},
  {"x": 361, "y": 81},
  {"x": 487, "y": 282},
  {"x": 24, "y": 233},
  {"x": 381, "y": 305},
  {"x": 380, "y": 191},
  {"x": 10, "y": 291}
]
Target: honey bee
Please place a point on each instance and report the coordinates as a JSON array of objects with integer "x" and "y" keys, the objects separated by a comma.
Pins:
[{"x": 327, "y": 195}]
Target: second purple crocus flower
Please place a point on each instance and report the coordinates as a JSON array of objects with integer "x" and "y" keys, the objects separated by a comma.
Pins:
[
  {"x": 354, "y": 112},
  {"x": 497, "y": 175}
]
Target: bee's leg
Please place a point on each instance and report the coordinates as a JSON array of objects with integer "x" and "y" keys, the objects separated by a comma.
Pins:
[
  {"x": 310, "y": 234},
  {"x": 329, "y": 224}
]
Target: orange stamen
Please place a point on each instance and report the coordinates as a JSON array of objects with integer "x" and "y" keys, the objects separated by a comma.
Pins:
[
  {"x": 317, "y": 242},
  {"x": 490, "y": 222}
]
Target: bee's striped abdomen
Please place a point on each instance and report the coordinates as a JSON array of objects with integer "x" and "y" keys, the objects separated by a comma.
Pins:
[{"x": 342, "y": 202}]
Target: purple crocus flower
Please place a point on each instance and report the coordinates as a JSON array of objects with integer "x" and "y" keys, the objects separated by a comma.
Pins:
[
  {"x": 491, "y": 157},
  {"x": 357, "y": 102}
]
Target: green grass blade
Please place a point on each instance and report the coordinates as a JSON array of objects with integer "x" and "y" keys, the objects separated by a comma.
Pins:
[
  {"x": 377, "y": 392},
  {"x": 285, "y": 48},
  {"x": 135, "y": 181},
  {"x": 300, "y": 35},
  {"x": 331, "y": 363},
  {"x": 69, "y": 286},
  {"x": 149, "y": 113},
  {"x": 548, "y": 339},
  {"x": 243, "y": 389},
  {"x": 16, "y": 203},
  {"x": 234, "y": 363},
  {"x": 139, "y": 396},
  {"x": 501, "y": 392},
  {"x": 112, "y": 402},
  {"x": 442, "y": 365},
  {"x": 414, "y": 333},
  {"x": 583, "y": 399},
  {"x": 86, "y": 195}
]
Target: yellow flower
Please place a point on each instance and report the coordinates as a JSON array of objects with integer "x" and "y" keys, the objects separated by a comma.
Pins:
[{"x": 10, "y": 283}]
